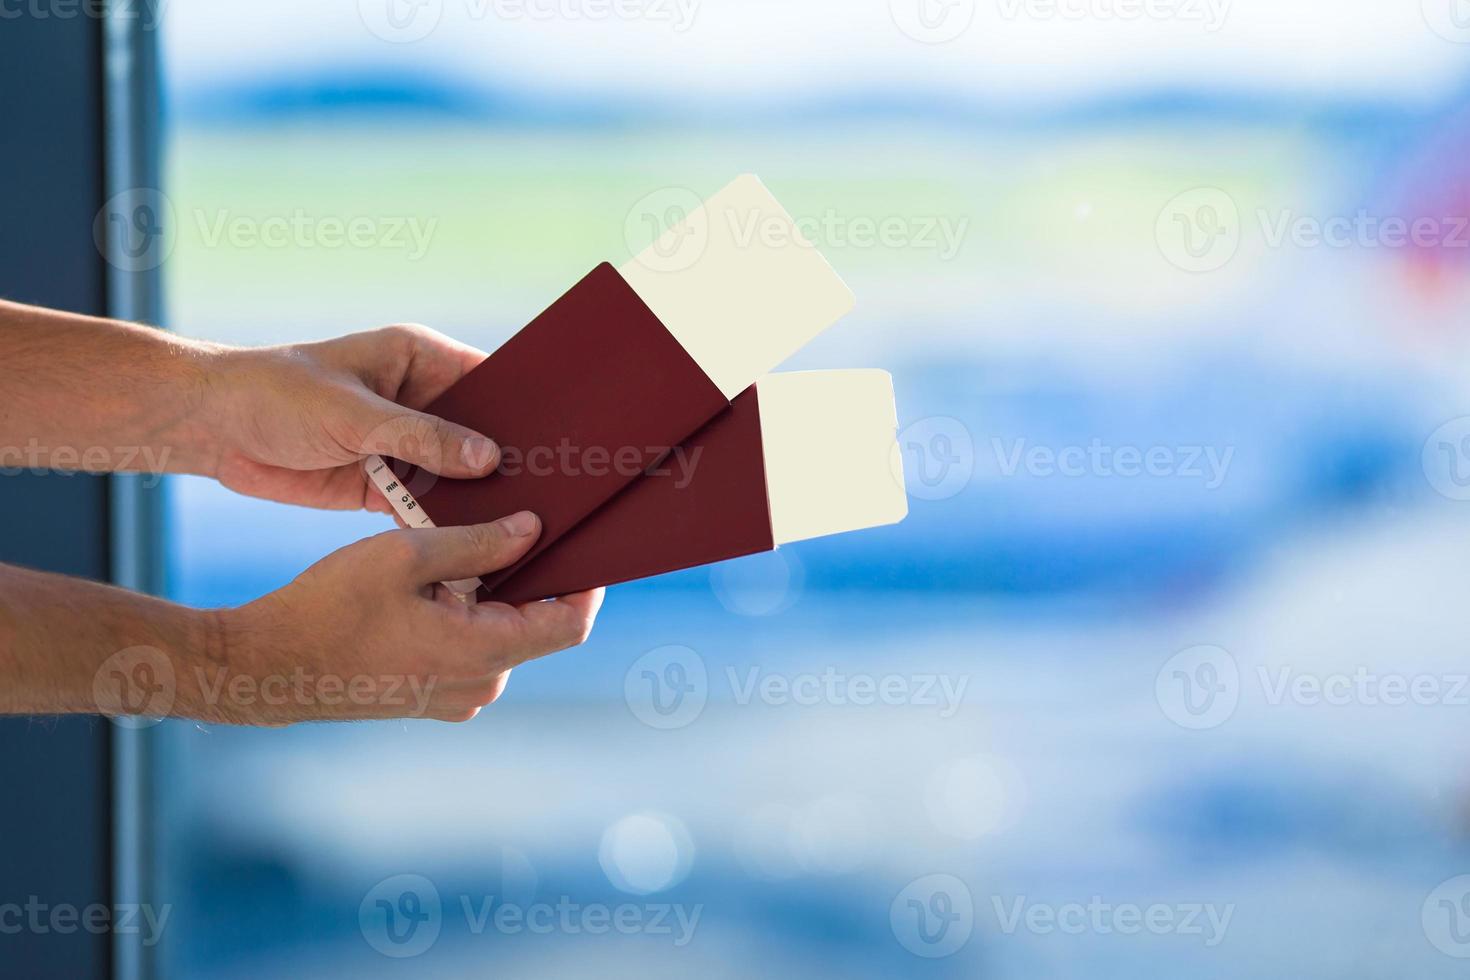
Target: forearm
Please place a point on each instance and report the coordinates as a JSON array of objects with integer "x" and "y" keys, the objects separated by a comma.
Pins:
[
  {"x": 60, "y": 641},
  {"x": 82, "y": 393}
]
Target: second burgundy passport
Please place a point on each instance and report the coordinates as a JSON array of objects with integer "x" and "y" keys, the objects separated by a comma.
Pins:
[{"x": 582, "y": 400}]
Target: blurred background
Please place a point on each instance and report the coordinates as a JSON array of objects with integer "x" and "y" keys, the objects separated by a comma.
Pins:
[{"x": 1166, "y": 672}]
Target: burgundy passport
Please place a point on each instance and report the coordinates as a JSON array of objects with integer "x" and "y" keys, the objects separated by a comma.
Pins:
[
  {"x": 796, "y": 456},
  {"x": 626, "y": 366},
  {"x": 582, "y": 400},
  {"x": 669, "y": 519}
]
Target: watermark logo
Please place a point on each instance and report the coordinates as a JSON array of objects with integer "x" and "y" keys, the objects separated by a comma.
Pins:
[
  {"x": 679, "y": 226},
  {"x": 1205, "y": 920},
  {"x": 40, "y": 918},
  {"x": 676, "y": 922},
  {"x": 1445, "y": 917},
  {"x": 944, "y": 235},
  {"x": 675, "y": 221},
  {"x": 935, "y": 458},
  {"x": 1099, "y": 460},
  {"x": 1450, "y": 19},
  {"x": 400, "y": 21},
  {"x": 1446, "y": 459},
  {"x": 933, "y": 21},
  {"x": 304, "y": 231},
  {"x": 839, "y": 688},
  {"x": 40, "y": 460},
  {"x": 667, "y": 688},
  {"x": 149, "y": 13},
  {"x": 135, "y": 687},
  {"x": 135, "y": 230},
  {"x": 1209, "y": 14},
  {"x": 933, "y": 916},
  {"x": 1199, "y": 230},
  {"x": 408, "y": 436},
  {"x": 401, "y": 916},
  {"x": 1363, "y": 229},
  {"x": 1199, "y": 688}
]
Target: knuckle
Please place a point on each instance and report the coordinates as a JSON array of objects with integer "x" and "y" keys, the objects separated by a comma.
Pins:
[
  {"x": 484, "y": 538},
  {"x": 398, "y": 547},
  {"x": 574, "y": 629},
  {"x": 581, "y": 629},
  {"x": 404, "y": 333},
  {"x": 439, "y": 429},
  {"x": 420, "y": 427}
]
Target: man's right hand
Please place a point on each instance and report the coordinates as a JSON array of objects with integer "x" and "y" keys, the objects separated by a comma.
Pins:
[{"x": 368, "y": 633}]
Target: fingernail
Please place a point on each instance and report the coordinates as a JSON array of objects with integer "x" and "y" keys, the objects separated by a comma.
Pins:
[
  {"x": 477, "y": 452},
  {"x": 521, "y": 525}
]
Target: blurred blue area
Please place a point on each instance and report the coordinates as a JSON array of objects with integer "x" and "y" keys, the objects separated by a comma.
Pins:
[{"x": 1297, "y": 527}]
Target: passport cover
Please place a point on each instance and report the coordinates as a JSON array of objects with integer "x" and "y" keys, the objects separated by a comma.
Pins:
[
  {"x": 627, "y": 365},
  {"x": 657, "y": 525},
  {"x": 594, "y": 376},
  {"x": 796, "y": 456}
]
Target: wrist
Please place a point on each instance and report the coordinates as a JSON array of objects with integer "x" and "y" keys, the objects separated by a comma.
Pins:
[
  {"x": 219, "y": 377},
  {"x": 182, "y": 415},
  {"x": 220, "y": 652}
]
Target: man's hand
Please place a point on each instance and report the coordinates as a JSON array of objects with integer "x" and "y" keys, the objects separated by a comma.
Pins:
[
  {"x": 285, "y": 423},
  {"x": 365, "y": 633},
  {"x": 368, "y": 633},
  {"x": 293, "y": 422}
]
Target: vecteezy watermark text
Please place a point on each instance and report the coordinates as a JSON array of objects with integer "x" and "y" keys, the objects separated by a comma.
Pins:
[
  {"x": 1209, "y": 464},
  {"x": 942, "y": 234},
  {"x": 1362, "y": 229},
  {"x": 37, "y": 459},
  {"x": 139, "y": 686},
  {"x": 1202, "y": 686},
  {"x": 402, "y": 917},
  {"x": 1100, "y": 918},
  {"x": 669, "y": 229},
  {"x": 568, "y": 459},
  {"x": 301, "y": 229},
  {"x": 1210, "y": 14},
  {"x": 668, "y": 688},
  {"x": 842, "y": 688},
  {"x": 675, "y": 920},
  {"x": 148, "y": 12},
  {"x": 41, "y": 918},
  {"x": 407, "y": 21},
  {"x": 1201, "y": 230},
  {"x": 304, "y": 688}
]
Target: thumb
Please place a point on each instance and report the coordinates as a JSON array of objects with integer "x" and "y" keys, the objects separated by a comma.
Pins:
[
  {"x": 454, "y": 553},
  {"x": 427, "y": 441}
]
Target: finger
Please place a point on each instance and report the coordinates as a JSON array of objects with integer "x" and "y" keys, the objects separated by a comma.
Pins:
[
  {"x": 427, "y": 441},
  {"x": 338, "y": 488},
  {"x": 481, "y": 691},
  {"x": 437, "y": 362},
  {"x": 373, "y": 500},
  {"x": 557, "y": 624},
  {"x": 447, "y": 554}
]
